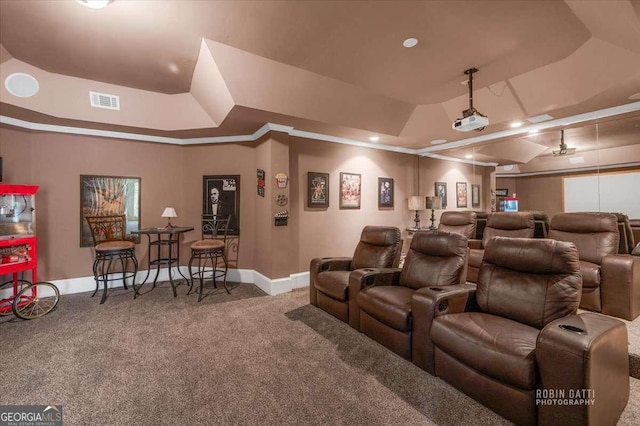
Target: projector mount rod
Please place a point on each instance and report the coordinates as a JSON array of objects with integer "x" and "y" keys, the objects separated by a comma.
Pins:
[{"x": 471, "y": 109}]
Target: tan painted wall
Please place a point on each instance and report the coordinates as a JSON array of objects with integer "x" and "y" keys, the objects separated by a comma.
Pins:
[
  {"x": 172, "y": 176},
  {"x": 55, "y": 162},
  {"x": 335, "y": 232},
  {"x": 543, "y": 192}
]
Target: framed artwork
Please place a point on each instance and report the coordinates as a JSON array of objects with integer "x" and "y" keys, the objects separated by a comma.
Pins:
[
  {"x": 475, "y": 195},
  {"x": 441, "y": 191},
  {"x": 350, "y": 185},
  {"x": 385, "y": 192},
  {"x": 461, "y": 194},
  {"x": 221, "y": 196},
  {"x": 502, "y": 192},
  {"x": 106, "y": 196},
  {"x": 317, "y": 190}
]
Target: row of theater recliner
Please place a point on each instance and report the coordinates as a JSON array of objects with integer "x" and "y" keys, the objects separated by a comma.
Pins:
[{"x": 511, "y": 339}]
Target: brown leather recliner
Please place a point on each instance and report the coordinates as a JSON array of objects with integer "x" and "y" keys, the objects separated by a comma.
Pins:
[
  {"x": 379, "y": 247},
  {"x": 461, "y": 222},
  {"x": 515, "y": 343},
  {"x": 499, "y": 224},
  {"x": 611, "y": 282},
  {"x": 380, "y": 303}
]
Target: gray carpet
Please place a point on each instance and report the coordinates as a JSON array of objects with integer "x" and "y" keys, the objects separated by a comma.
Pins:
[{"x": 239, "y": 359}]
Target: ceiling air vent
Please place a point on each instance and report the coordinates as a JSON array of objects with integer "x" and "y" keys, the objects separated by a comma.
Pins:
[{"x": 102, "y": 100}]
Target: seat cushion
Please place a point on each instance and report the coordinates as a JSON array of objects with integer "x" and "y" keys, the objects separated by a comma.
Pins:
[
  {"x": 391, "y": 305},
  {"x": 590, "y": 274},
  {"x": 115, "y": 246},
  {"x": 209, "y": 244},
  {"x": 494, "y": 346},
  {"x": 334, "y": 284}
]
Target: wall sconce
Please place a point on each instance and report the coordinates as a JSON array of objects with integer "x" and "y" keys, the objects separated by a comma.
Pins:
[
  {"x": 416, "y": 203},
  {"x": 169, "y": 212},
  {"x": 434, "y": 203}
]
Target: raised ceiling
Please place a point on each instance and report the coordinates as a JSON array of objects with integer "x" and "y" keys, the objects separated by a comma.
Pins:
[{"x": 214, "y": 69}]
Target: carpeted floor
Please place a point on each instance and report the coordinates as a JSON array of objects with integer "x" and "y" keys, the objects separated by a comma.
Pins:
[{"x": 229, "y": 360}]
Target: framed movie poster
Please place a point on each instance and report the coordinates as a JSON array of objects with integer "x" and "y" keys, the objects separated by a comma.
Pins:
[
  {"x": 221, "y": 196},
  {"x": 461, "y": 194},
  {"x": 350, "y": 185},
  {"x": 475, "y": 195},
  {"x": 317, "y": 190},
  {"x": 441, "y": 191},
  {"x": 385, "y": 192},
  {"x": 107, "y": 196}
]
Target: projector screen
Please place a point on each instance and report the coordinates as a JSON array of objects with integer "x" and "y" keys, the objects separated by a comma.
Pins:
[{"x": 606, "y": 192}]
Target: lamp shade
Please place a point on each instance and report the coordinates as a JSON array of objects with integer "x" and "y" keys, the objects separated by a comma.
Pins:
[
  {"x": 169, "y": 212},
  {"x": 416, "y": 202},
  {"x": 434, "y": 203}
]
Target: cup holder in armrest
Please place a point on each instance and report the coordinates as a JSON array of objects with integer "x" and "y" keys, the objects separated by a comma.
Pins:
[
  {"x": 436, "y": 289},
  {"x": 571, "y": 328}
]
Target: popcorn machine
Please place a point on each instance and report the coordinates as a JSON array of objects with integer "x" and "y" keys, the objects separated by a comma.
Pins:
[{"x": 25, "y": 298}]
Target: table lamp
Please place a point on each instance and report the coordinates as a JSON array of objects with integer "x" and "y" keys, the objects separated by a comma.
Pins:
[
  {"x": 433, "y": 203},
  {"x": 169, "y": 212},
  {"x": 416, "y": 203}
]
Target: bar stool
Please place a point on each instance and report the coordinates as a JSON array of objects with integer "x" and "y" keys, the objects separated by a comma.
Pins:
[
  {"x": 111, "y": 244},
  {"x": 209, "y": 249}
]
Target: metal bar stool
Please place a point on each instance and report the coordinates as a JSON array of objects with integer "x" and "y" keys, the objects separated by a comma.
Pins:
[
  {"x": 111, "y": 245},
  {"x": 208, "y": 250}
]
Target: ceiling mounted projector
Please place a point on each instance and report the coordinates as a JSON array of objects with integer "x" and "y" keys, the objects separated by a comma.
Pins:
[
  {"x": 471, "y": 118},
  {"x": 564, "y": 149}
]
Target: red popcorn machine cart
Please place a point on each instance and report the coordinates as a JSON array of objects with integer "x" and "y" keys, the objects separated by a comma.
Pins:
[{"x": 21, "y": 294}]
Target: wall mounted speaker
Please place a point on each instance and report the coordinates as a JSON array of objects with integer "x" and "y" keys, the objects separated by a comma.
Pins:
[{"x": 21, "y": 85}]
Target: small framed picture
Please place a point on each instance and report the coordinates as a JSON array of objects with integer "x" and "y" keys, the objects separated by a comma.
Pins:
[
  {"x": 385, "y": 192},
  {"x": 461, "y": 194},
  {"x": 441, "y": 191},
  {"x": 350, "y": 186},
  {"x": 502, "y": 192},
  {"x": 475, "y": 195},
  {"x": 317, "y": 190}
]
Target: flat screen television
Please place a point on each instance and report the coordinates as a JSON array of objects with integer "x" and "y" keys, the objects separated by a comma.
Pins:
[{"x": 510, "y": 204}]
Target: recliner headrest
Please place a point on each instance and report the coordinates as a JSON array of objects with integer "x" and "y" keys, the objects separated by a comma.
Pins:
[
  {"x": 458, "y": 218},
  {"x": 510, "y": 221},
  {"x": 380, "y": 235},
  {"x": 542, "y": 256},
  {"x": 439, "y": 243},
  {"x": 584, "y": 222}
]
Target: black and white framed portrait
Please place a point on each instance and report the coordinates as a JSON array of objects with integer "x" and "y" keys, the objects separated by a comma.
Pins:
[{"x": 221, "y": 196}]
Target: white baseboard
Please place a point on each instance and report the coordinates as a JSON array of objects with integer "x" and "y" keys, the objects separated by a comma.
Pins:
[{"x": 269, "y": 286}]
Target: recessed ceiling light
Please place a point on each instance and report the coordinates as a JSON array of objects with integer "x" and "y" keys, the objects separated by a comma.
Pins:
[
  {"x": 374, "y": 138},
  {"x": 94, "y": 4},
  {"x": 533, "y": 132},
  {"x": 438, "y": 141},
  {"x": 410, "y": 42},
  {"x": 516, "y": 124},
  {"x": 468, "y": 156},
  {"x": 508, "y": 167},
  {"x": 539, "y": 118}
]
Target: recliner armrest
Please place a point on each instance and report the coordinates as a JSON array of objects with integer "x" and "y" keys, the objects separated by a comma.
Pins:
[
  {"x": 583, "y": 358},
  {"x": 361, "y": 278},
  {"x": 320, "y": 264},
  {"x": 620, "y": 286},
  {"x": 475, "y": 244},
  {"x": 428, "y": 303}
]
